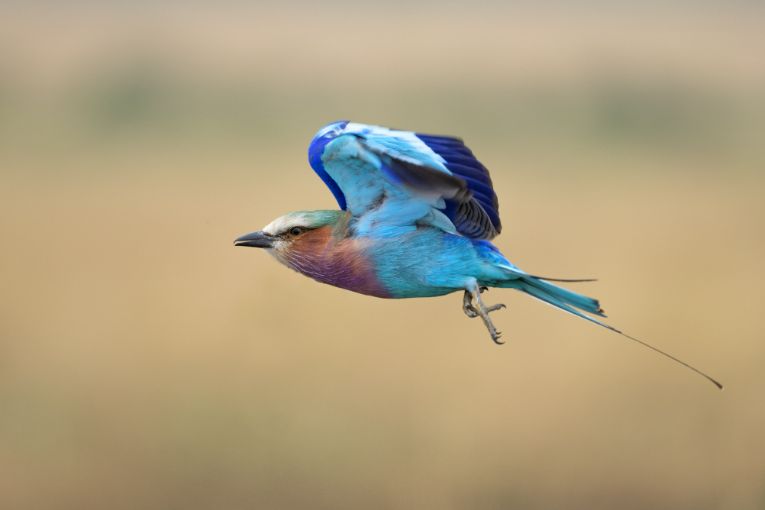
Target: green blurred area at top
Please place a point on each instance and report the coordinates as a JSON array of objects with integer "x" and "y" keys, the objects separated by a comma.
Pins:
[{"x": 681, "y": 79}]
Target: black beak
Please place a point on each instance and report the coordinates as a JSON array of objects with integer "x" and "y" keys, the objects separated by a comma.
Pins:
[{"x": 255, "y": 240}]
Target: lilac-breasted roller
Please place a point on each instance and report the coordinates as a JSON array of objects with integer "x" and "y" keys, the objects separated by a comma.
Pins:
[{"x": 416, "y": 219}]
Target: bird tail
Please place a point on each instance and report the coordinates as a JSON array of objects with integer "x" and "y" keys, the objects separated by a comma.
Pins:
[
  {"x": 564, "y": 299},
  {"x": 576, "y": 304}
]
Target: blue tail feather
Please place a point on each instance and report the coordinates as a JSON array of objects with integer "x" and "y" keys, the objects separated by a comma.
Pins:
[
  {"x": 572, "y": 303},
  {"x": 565, "y": 299}
]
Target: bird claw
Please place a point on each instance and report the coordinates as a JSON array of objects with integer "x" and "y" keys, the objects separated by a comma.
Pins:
[
  {"x": 471, "y": 312},
  {"x": 467, "y": 306},
  {"x": 478, "y": 309}
]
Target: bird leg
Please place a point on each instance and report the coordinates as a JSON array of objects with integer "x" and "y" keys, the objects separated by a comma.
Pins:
[
  {"x": 467, "y": 305},
  {"x": 470, "y": 310},
  {"x": 473, "y": 306}
]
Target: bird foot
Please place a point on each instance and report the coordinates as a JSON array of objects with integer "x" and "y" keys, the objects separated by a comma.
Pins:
[
  {"x": 478, "y": 309},
  {"x": 467, "y": 306}
]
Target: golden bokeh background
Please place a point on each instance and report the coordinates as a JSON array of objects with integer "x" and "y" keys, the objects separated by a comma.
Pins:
[{"x": 146, "y": 363}]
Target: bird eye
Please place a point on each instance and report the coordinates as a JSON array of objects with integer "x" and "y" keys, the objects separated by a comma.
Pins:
[{"x": 296, "y": 231}]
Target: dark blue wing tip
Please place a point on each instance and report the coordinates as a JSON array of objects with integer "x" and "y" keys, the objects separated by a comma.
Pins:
[{"x": 461, "y": 161}]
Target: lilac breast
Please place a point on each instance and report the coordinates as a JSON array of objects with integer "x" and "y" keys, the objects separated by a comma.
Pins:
[{"x": 341, "y": 264}]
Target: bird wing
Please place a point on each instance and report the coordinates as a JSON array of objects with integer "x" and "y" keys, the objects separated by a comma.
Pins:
[{"x": 390, "y": 178}]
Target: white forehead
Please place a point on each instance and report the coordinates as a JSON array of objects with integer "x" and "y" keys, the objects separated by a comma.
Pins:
[{"x": 285, "y": 222}]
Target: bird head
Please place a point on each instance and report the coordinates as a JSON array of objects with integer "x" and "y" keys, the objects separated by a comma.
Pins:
[{"x": 286, "y": 232}]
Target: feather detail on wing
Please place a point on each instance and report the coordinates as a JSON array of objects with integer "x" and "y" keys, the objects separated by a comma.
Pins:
[{"x": 400, "y": 178}]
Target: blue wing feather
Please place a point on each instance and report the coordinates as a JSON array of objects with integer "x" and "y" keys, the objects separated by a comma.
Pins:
[
  {"x": 459, "y": 159},
  {"x": 315, "y": 150},
  {"x": 424, "y": 173}
]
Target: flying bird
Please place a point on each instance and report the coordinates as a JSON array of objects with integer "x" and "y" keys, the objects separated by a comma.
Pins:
[{"x": 417, "y": 216}]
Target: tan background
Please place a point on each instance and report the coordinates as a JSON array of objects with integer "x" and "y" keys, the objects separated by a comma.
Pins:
[{"x": 146, "y": 363}]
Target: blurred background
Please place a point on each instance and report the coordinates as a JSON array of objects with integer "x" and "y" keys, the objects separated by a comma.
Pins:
[{"x": 146, "y": 363}]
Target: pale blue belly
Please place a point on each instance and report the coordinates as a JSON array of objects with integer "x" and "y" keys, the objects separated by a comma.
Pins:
[{"x": 427, "y": 262}]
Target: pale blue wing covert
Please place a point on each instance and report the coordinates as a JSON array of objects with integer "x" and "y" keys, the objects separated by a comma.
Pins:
[{"x": 396, "y": 179}]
